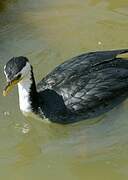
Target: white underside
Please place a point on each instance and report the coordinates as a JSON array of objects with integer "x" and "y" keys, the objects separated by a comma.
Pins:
[
  {"x": 24, "y": 102},
  {"x": 24, "y": 87}
]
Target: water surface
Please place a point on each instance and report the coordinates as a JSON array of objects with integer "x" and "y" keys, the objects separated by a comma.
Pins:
[{"x": 49, "y": 32}]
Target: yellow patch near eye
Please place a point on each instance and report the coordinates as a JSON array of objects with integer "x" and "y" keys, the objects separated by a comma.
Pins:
[{"x": 124, "y": 56}]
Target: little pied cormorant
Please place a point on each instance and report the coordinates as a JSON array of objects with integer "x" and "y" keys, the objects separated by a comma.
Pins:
[{"x": 82, "y": 87}]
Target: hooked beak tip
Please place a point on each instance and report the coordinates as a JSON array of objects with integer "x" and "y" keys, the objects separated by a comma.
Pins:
[
  {"x": 6, "y": 89},
  {"x": 10, "y": 86}
]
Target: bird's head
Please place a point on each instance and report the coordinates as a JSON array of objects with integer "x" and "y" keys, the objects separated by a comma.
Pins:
[{"x": 15, "y": 71}]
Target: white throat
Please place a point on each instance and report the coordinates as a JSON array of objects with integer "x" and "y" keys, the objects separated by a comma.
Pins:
[
  {"x": 24, "y": 99},
  {"x": 24, "y": 87}
]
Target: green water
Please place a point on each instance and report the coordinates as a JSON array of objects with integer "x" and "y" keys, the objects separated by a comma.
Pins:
[{"x": 49, "y": 32}]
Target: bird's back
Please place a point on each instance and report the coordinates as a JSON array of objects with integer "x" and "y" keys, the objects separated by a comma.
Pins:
[{"x": 90, "y": 83}]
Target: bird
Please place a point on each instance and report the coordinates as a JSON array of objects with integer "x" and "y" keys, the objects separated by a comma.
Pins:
[{"x": 83, "y": 87}]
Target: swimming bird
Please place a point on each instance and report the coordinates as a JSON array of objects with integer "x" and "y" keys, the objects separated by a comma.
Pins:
[{"x": 83, "y": 87}]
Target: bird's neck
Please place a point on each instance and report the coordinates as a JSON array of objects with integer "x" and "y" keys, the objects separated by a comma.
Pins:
[{"x": 28, "y": 96}]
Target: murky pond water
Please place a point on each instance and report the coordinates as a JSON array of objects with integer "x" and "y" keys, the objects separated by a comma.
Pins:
[{"x": 49, "y": 32}]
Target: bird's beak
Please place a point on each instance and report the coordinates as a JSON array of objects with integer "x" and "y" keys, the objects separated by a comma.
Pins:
[{"x": 10, "y": 86}]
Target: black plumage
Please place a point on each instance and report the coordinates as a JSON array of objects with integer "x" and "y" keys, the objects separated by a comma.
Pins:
[
  {"x": 88, "y": 85},
  {"x": 14, "y": 66},
  {"x": 83, "y": 87}
]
